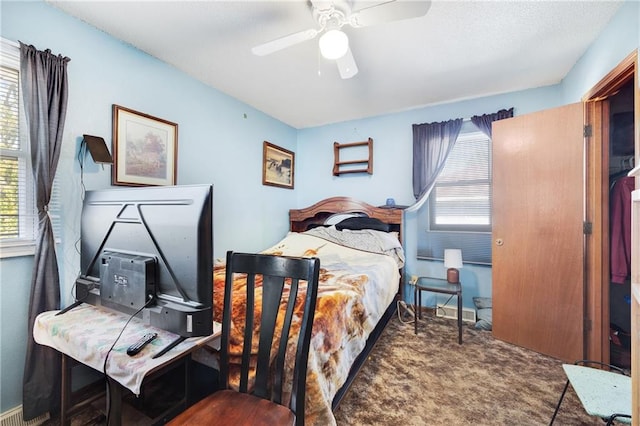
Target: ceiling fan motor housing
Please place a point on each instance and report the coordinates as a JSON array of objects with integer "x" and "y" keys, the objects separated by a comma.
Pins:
[{"x": 331, "y": 15}]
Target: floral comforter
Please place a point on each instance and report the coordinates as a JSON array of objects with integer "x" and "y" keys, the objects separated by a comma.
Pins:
[{"x": 356, "y": 287}]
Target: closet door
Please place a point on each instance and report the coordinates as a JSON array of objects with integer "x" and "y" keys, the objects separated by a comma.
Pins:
[{"x": 538, "y": 215}]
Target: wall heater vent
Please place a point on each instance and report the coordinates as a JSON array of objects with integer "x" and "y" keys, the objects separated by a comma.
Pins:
[
  {"x": 448, "y": 311},
  {"x": 13, "y": 417}
]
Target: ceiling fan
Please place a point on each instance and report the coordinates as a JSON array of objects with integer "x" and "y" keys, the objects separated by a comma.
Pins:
[{"x": 332, "y": 15}]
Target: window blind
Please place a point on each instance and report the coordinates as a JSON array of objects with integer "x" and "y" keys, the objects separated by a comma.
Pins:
[
  {"x": 461, "y": 198},
  {"x": 17, "y": 218},
  {"x": 459, "y": 212}
]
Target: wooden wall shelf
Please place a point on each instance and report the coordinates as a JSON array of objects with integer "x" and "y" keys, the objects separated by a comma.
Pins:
[{"x": 346, "y": 166}]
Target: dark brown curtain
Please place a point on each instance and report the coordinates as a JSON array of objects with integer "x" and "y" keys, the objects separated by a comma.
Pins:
[{"x": 45, "y": 92}]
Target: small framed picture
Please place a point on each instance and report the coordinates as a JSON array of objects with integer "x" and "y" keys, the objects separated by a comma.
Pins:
[
  {"x": 277, "y": 166},
  {"x": 145, "y": 149}
]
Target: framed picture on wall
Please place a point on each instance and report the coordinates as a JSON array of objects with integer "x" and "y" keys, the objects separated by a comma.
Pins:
[
  {"x": 277, "y": 166},
  {"x": 145, "y": 149}
]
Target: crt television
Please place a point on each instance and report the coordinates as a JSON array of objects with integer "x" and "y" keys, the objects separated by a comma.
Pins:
[{"x": 150, "y": 250}]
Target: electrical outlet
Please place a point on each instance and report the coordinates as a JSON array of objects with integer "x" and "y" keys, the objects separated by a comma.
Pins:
[{"x": 413, "y": 280}]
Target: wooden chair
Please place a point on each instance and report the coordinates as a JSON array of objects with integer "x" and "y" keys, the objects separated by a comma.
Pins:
[
  {"x": 605, "y": 394},
  {"x": 262, "y": 403}
]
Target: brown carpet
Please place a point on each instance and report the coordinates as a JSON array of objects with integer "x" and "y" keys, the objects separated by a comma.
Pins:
[{"x": 428, "y": 379}]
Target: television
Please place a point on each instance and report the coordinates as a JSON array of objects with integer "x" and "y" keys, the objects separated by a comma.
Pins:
[{"x": 149, "y": 250}]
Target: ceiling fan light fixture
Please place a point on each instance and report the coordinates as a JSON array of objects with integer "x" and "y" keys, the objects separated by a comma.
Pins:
[{"x": 333, "y": 44}]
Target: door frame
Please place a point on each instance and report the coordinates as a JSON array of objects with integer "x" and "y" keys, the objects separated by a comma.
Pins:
[{"x": 596, "y": 276}]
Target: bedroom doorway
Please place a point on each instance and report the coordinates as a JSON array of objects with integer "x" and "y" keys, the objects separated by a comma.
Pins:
[
  {"x": 575, "y": 292},
  {"x": 609, "y": 106}
]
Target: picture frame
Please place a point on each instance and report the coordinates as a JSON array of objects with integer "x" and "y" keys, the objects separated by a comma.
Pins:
[
  {"x": 278, "y": 166},
  {"x": 145, "y": 149}
]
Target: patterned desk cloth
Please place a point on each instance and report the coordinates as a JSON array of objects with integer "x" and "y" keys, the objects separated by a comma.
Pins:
[{"x": 86, "y": 333}]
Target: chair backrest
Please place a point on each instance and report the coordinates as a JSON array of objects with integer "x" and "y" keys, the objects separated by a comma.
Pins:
[{"x": 269, "y": 290}]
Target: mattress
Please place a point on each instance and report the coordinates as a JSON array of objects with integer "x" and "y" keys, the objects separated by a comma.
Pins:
[{"x": 356, "y": 286}]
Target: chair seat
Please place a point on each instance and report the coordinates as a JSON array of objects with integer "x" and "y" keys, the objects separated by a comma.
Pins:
[
  {"x": 602, "y": 393},
  {"x": 227, "y": 407}
]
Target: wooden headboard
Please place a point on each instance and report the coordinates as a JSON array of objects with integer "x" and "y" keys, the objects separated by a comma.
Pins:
[{"x": 300, "y": 219}]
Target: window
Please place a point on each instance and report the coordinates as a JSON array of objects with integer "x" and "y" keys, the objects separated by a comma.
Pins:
[
  {"x": 18, "y": 219},
  {"x": 461, "y": 197},
  {"x": 459, "y": 206}
]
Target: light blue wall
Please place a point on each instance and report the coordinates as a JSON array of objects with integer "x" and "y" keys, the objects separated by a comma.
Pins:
[
  {"x": 615, "y": 42},
  {"x": 392, "y": 135},
  {"x": 392, "y": 176},
  {"x": 218, "y": 145},
  {"x": 14, "y": 298}
]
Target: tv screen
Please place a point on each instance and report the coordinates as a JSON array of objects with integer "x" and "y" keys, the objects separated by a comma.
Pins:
[{"x": 150, "y": 249}]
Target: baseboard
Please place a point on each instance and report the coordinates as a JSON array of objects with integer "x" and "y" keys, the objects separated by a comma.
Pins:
[{"x": 13, "y": 417}]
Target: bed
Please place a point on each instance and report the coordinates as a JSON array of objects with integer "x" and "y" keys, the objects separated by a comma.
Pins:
[{"x": 361, "y": 257}]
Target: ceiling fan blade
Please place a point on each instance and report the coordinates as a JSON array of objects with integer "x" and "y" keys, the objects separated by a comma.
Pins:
[
  {"x": 392, "y": 10},
  {"x": 347, "y": 65},
  {"x": 283, "y": 42}
]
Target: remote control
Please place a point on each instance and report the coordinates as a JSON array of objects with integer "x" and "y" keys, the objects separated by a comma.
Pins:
[{"x": 137, "y": 346}]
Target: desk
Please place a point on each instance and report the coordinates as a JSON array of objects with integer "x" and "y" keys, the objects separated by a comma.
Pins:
[
  {"x": 437, "y": 285},
  {"x": 86, "y": 333}
]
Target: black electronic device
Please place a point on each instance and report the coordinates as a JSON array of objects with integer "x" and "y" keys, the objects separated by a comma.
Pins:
[
  {"x": 70, "y": 307},
  {"x": 127, "y": 279},
  {"x": 98, "y": 149},
  {"x": 170, "y": 346},
  {"x": 144, "y": 341},
  {"x": 150, "y": 249}
]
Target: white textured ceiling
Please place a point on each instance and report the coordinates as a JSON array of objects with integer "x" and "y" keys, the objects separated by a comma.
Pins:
[{"x": 458, "y": 50}]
